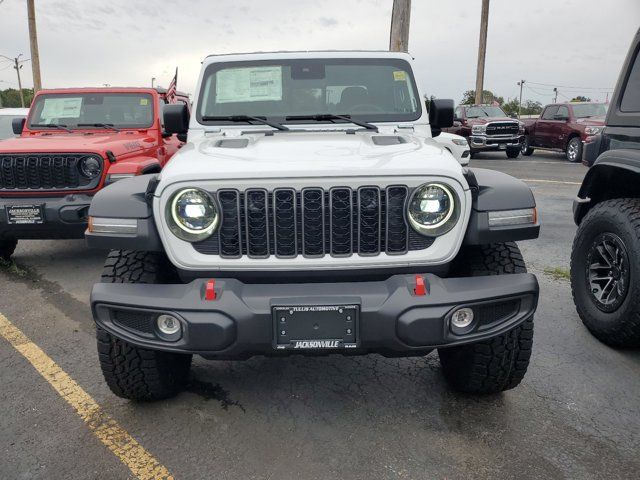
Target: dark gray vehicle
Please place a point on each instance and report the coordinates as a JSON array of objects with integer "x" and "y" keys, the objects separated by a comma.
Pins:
[
  {"x": 605, "y": 260},
  {"x": 323, "y": 219}
]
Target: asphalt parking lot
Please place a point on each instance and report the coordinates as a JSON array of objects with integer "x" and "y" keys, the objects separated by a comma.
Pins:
[{"x": 574, "y": 416}]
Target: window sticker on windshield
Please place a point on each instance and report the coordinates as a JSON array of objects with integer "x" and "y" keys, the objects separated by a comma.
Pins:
[
  {"x": 144, "y": 101},
  {"x": 400, "y": 76},
  {"x": 253, "y": 84},
  {"x": 61, "y": 107}
]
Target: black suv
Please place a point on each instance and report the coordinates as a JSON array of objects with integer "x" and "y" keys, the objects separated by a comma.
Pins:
[{"x": 605, "y": 260}]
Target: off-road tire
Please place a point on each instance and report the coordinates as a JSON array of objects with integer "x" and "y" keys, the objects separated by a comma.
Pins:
[
  {"x": 576, "y": 143},
  {"x": 7, "y": 247},
  {"x": 526, "y": 148},
  {"x": 499, "y": 363},
  {"x": 621, "y": 217},
  {"x": 513, "y": 152},
  {"x": 133, "y": 372},
  {"x": 472, "y": 154}
]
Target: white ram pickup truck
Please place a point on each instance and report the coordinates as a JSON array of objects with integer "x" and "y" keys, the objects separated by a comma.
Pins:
[{"x": 312, "y": 212}]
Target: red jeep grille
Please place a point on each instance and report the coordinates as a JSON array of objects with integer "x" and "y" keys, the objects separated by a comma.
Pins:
[{"x": 60, "y": 171}]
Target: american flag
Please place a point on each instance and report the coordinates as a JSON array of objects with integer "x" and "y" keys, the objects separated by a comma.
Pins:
[{"x": 173, "y": 86}]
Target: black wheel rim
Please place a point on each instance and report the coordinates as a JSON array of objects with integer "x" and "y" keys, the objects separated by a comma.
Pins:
[{"x": 608, "y": 272}]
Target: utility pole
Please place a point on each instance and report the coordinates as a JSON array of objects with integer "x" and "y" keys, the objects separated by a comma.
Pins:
[
  {"x": 400, "y": 20},
  {"x": 33, "y": 42},
  {"x": 555, "y": 96},
  {"x": 521, "y": 83},
  {"x": 153, "y": 81},
  {"x": 18, "y": 66},
  {"x": 482, "y": 50}
]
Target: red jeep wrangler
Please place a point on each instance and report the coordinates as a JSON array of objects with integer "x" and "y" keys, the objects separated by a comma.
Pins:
[{"x": 73, "y": 143}]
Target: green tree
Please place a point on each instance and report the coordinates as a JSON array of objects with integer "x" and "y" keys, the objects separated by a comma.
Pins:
[
  {"x": 469, "y": 97},
  {"x": 510, "y": 106},
  {"x": 11, "y": 97},
  {"x": 580, "y": 98},
  {"x": 531, "y": 107}
]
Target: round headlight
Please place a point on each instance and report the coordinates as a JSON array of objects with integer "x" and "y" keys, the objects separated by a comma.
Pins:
[
  {"x": 90, "y": 167},
  {"x": 192, "y": 214},
  {"x": 433, "y": 209}
]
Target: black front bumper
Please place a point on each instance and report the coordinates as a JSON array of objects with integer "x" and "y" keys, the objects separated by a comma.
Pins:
[
  {"x": 64, "y": 217},
  {"x": 239, "y": 322}
]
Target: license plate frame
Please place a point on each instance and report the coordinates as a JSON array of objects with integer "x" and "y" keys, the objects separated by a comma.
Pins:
[
  {"x": 502, "y": 146},
  {"x": 316, "y": 327},
  {"x": 25, "y": 214}
]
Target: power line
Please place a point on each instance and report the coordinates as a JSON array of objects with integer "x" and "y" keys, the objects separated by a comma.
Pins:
[{"x": 571, "y": 87}]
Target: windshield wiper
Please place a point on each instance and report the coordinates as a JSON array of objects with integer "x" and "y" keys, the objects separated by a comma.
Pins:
[
  {"x": 319, "y": 117},
  {"x": 99, "y": 125},
  {"x": 245, "y": 118},
  {"x": 59, "y": 126}
]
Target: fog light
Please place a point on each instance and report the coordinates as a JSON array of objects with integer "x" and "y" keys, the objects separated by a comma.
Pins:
[
  {"x": 168, "y": 325},
  {"x": 462, "y": 318}
]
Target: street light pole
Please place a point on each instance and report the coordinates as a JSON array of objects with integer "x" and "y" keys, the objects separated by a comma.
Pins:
[{"x": 33, "y": 42}]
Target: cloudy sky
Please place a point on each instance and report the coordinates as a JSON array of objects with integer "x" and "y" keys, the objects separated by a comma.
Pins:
[{"x": 568, "y": 43}]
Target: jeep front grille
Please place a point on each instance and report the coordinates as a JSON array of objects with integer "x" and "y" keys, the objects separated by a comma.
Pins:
[
  {"x": 313, "y": 222},
  {"x": 503, "y": 128},
  {"x": 48, "y": 171}
]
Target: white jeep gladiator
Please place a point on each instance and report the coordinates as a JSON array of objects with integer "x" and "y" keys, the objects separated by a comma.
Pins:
[{"x": 312, "y": 212}]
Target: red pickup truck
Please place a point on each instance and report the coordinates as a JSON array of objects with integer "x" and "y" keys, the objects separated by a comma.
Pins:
[
  {"x": 564, "y": 127},
  {"x": 73, "y": 143}
]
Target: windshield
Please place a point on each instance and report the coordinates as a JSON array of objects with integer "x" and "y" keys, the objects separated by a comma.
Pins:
[
  {"x": 6, "y": 129},
  {"x": 485, "y": 111},
  {"x": 586, "y": 110},
  {"x": 367, "y": 89},
  {"x": 124, "y": 110}
]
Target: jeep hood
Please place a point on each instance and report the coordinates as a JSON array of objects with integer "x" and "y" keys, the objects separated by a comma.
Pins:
[
  {"x": 120, "y": 143},
  {"x": 309, "y": 155}
]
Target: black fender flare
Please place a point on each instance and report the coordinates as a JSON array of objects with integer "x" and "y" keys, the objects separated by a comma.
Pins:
[
  {"x": 129, "y": 198},
  {"x": 495, "y": 191},
  {"x": 603, "y": 180}
]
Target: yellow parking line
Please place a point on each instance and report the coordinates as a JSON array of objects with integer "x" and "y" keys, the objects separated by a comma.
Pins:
[
  {"x": 539, "y": 180},
  {"x": 141, "y": 463}
]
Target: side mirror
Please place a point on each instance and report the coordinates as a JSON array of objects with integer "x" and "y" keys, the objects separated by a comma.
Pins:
[
  {"x": 17, "y": 124},
  {"x": 513, "y": 115},
  {"x": 440, "y": 115},
  {"x": 176, "y": 119}
]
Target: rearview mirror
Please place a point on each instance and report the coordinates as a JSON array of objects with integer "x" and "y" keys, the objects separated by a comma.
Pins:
[
  {"x": 176, "y": 119},
  {"x": 440, "y": 115},
  {"x": 17, "y": 124}
]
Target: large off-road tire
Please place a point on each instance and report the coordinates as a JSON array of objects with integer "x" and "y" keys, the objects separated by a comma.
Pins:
[
  {"x": 513, "y": 152},
  {"x": 526, "y": 149},
  {"x": 499, "y": 363},
  {"x": 573, "y": 151},
  {"x": 607, "y": 246},
  {"x": 132, "y": 372},
  {"x": 7, "y": 247}
]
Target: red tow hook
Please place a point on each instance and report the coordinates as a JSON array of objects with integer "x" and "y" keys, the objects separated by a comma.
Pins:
[
  {"x": 421, "y": 287},
  {"x": 210, "y": 290}
]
